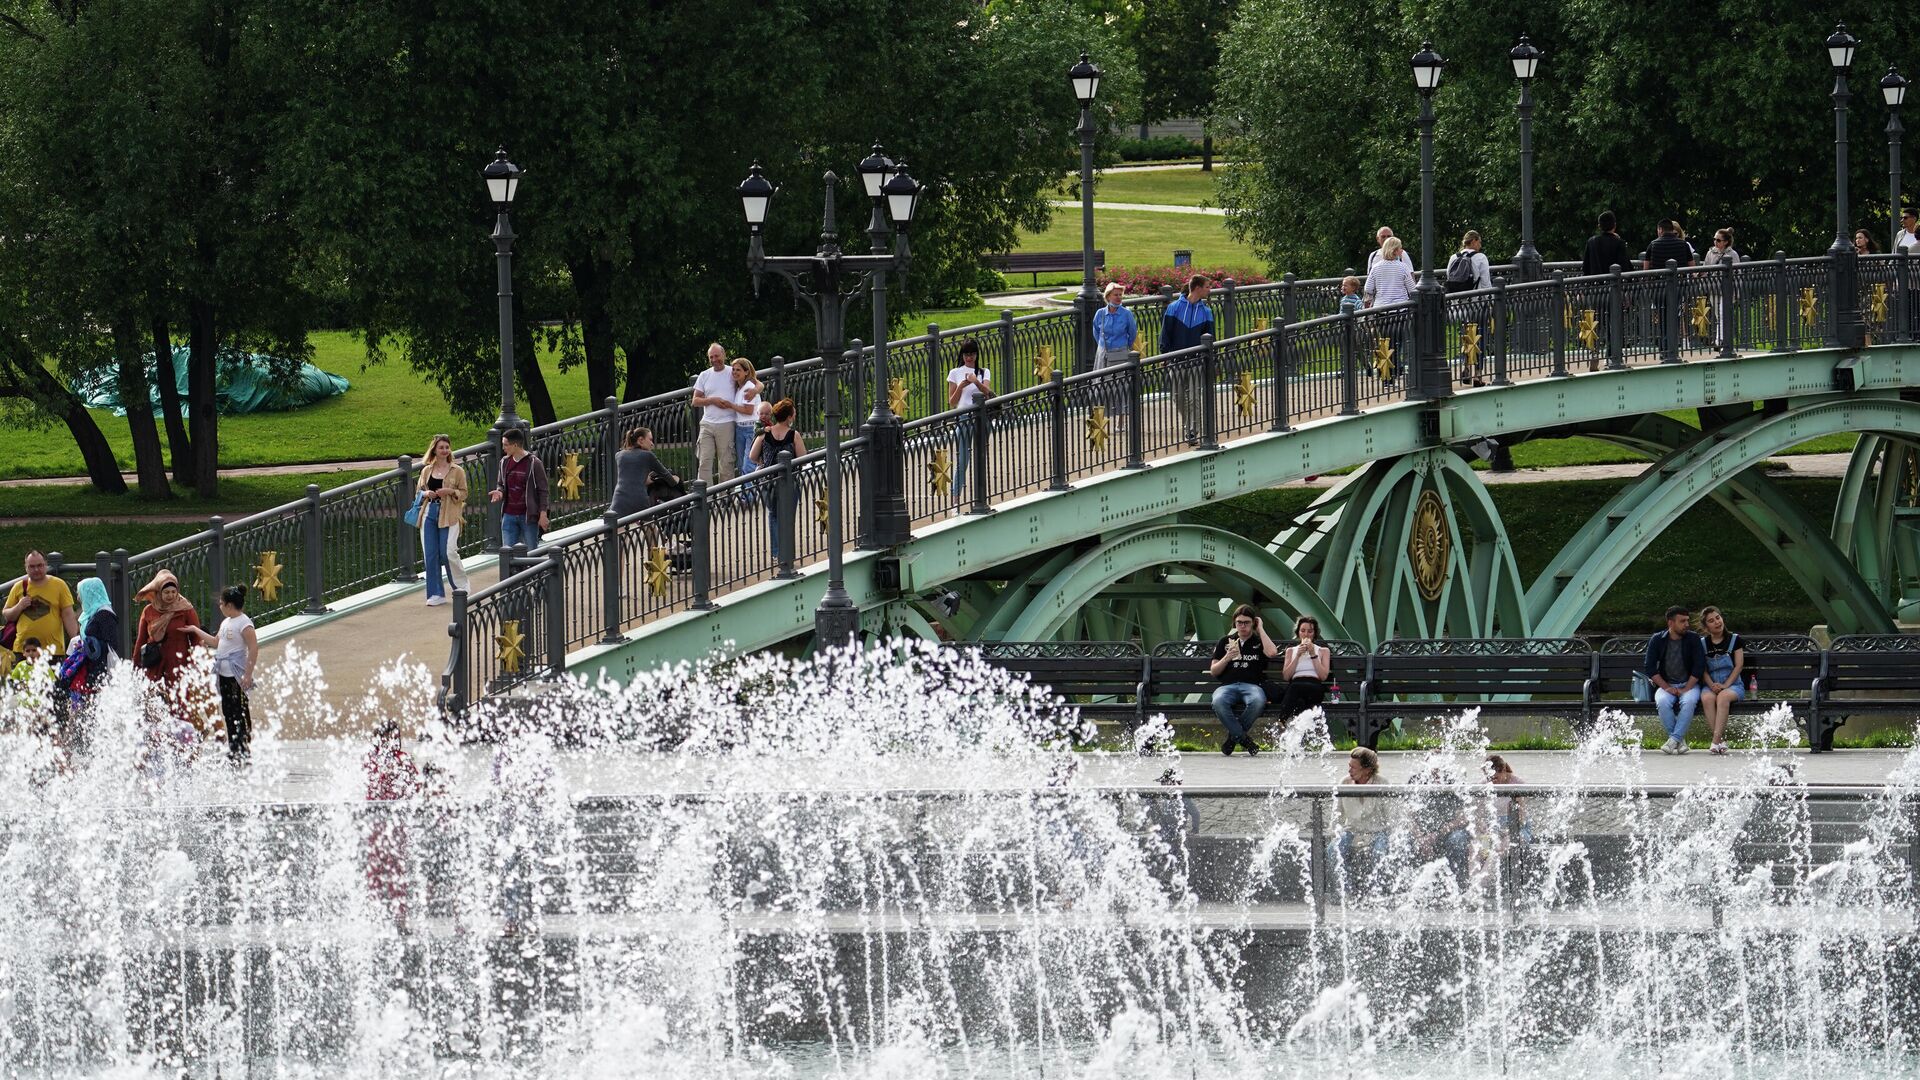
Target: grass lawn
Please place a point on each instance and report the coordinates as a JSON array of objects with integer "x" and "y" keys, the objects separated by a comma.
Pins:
[
  {"x": 388, "y": 411},
  {"x": 1170, "y": 187},
  {"x": 239, "y": 495},
  {"x": 1140, "y": 238},
  {"x": 1686, "y": 565},
  {"x": 916, "y": 321}
]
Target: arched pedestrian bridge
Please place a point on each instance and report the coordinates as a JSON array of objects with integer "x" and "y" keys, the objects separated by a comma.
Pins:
[{"x": 1055, "y": 509}]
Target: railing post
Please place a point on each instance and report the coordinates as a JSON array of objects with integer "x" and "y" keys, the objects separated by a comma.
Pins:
[
  {"x": 1229, "y": 310},
  {"x": 1059, "y": 403},
  {"x": 1670, "y": 319},
  {"x": 315, "y": 564},
  {"x": 1281, "y": 365},
  {"x": 1616, "y": 319},
  {"x": 1557, "y": 322},
  {"x": 1902, "y": 298},
  {"x": 1209, "y": 382},
  {"x": 777, "y": 382},
  {"x": 512, "y": 560},
  {"x": 610, "y": 577},
  {"x": 1349, "y": 363},
  {"x": 700, "y": 526},
  {"x": 610, "y": 444},
  {"x": 555, "y": 586},
  {"x": 459, "y": 682},
  {"x": 494, "y": 509},
  {"x": 936, "y": 377},
  {"x": 1729, "y": 320},
  {"x": 405, "y": 536},
  {"x": 786, "y": 499},
  {"x": 982, "y": 425},
  {"x": 1317, "y": 860},
  {"x": 216, "y": 570},
  {"x": 1136, "y": 411},
  {"x": 1500, "y": 332},
  {"x": 121, "y": 590},
  {"x": 1289, "y": 301},
  {"x": 1006, "y": 349},
  {"x": 1783, "y": 330}
]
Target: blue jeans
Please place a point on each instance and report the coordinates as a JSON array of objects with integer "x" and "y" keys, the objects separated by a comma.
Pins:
[
  {"x": 433, "y": 549},
  {"x": 1664, "y": 700},
  {"x": 519, "y": 529},
  {"x": 962, "y": 455},
  {"x": 742, "y": 442},
  {"x": 1238, "y": 705}
]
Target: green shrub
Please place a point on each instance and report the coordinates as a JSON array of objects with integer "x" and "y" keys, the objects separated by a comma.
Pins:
[{"x": 1156, "y": 148}]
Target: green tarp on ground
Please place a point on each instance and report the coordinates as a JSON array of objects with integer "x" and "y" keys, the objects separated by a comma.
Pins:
[{"x": 244, "y": 383}]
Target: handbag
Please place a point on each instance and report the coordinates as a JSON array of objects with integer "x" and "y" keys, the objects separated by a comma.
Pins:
[
  {"x": 150, "y": 655},
  {"x": 412, "y": 516},
  {"x": 1642, "y": 687}
]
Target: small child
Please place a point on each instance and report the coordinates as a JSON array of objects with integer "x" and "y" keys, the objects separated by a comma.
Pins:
[{"x": 1350, "y": 300}]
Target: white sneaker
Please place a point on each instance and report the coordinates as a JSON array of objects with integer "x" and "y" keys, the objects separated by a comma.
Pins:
[
  {"x": 1681, "y": 748},
  {"x": 1667, "y": 747},
  {"x": 436, "y": 601}
]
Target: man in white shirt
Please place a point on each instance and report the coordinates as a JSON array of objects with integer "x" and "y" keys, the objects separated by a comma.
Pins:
[
  {"x": 714, "y": 396},
  {"x": 1908, "y": 239},
  {"x": 1379, "y": 239}
]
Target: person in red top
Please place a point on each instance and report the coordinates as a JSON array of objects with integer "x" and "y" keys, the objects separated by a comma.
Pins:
[
  {"x": 391, "y": 778},
  {"x": 165, "y": 639},
  {"x": 522, "y": 491}
]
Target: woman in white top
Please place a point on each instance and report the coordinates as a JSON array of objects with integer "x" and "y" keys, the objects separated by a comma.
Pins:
[
  {"x": 236, "y": 651},
  {"x": 746, "y": 402},
  {"x": 968, "y": 384},
  {"x": 1363, "y": 820},
  {"x": 1305, "y": 667},
  {"x": 1390, "y": 281}
]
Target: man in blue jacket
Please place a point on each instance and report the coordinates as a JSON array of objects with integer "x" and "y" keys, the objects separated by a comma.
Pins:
[
  {"x": 1187, "y": 320},
  {"x": 1676, "y": 664}
]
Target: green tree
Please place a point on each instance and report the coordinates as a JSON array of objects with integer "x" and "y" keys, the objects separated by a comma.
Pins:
[
  {"x": 1178, "y": 45},
  {"x": 1734, "y": 128}
]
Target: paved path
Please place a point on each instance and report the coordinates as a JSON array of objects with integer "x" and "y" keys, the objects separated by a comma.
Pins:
[
  {"x": 246, "y": 470},
  {"x": 1173, "y": 167},
  {"x": 1154, "y": 208}
]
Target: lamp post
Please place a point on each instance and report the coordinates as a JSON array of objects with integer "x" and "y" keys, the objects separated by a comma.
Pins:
[
  {"x": 885, "y": 520},
  {"x": 1431, "y": 378},
  {"x": 823, "y": 281},
  {"x": 1848, "y": 331},
  {"x": 1085, "y": 78},
  {"x": 1526, "y": 61},
  {"x": 1893, "y": 88},
  {"x": 503, "y": 183}
]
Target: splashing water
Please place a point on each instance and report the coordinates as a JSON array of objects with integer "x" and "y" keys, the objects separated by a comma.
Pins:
[{"x": 896, "y": 865}]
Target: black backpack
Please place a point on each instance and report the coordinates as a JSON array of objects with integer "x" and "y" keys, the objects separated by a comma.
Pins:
[{"x": 1460, "y": 271}]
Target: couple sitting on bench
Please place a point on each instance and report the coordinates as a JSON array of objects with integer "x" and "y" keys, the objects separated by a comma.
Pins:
[{"x": 1240, "y": 663}]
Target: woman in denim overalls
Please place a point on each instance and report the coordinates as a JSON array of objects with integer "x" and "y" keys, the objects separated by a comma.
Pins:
[{"x": 1725, "y": 658}]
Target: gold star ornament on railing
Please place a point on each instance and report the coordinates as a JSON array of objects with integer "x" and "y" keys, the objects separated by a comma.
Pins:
[
  {"x": 659, "y": 573},
  {"x": 940, "y": 471},
  {"x": 1383, "y": 358},
  {"x": 820, "y": 510},
  {"x": 1700, "y": 318},
  {"x": 1243, "y": 394},
  {"x": 897, "y": 396},
  {"x": 1470, "y": 345},
  {"x": 1877, "y": 303},
  {"x": 1809, "y": 308},
  {"x": 1043, "y": 365},
  {"x": 573, "y": 476},
  {"x": 1097, "y": 430},
  {"x": 266, "y": 575},
  {"x": 1589, "y": 329},
  {"x": 512, "y": 645}
]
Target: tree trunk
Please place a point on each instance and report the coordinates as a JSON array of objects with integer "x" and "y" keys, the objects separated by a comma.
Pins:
[
  {"x": 23, "y": 375},
  {"x": 591, "y": 280},
  {"x": 646, "y": 378},
  {"x": 179, "y": 447},
  {"x": 1206, "y": 152},
  {"x": 526, "y": 366},
  {"x": 203, "y": 343},
  {"x": 149, "y": 461}
]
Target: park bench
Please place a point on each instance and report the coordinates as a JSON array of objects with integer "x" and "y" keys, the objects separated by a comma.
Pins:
[
  {"x": 1181, "y": 686},
  {"x": 1545, "y": 676},
  {"x": 1784, "y": 666},
  {"x": 1864, "y": 674},
  {"x": 1106, "y": 679},
  {"x": 1042, "y": 262}
]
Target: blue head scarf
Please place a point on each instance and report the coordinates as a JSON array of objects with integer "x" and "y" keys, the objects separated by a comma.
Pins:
[{"x": 93, "y": 598}]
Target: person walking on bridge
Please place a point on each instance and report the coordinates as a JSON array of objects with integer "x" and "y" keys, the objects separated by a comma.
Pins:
[
  {"x": 1605, "y": 250},
  {"x": 1187, "y": 320},
  {"x": 714, "y": 395},
  {"x": 521, "y": 489},
  {"x": 1469, "y": 271},
  {"x": 1676, "y": 665},
  {"x": 39, "y": 605},
  {"x": 1116, "y": 333},
  {"x": 442, "y": 488},
  {"x": 1669, "y": 245}
]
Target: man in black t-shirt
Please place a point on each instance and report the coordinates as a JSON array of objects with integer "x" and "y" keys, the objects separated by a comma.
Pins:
[
  {"x": 1668, "y": 245},
  {"x": 1605, "y": 249},
  {"x": 1240, "y": 663}
]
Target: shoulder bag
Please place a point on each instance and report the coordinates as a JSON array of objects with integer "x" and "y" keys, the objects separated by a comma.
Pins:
[{"x": 412, "y": 516}]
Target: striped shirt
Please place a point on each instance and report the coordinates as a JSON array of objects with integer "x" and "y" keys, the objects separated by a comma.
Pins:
[{"x": 1389, "y": 282}]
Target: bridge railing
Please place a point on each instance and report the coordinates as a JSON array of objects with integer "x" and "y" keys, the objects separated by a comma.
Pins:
[{"x": 1046, "y": 428}]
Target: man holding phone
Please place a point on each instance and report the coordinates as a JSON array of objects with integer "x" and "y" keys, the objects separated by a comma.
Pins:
[{"x": 1240, "y": 663}]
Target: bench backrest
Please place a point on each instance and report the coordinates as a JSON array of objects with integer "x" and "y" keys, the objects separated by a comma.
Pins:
[
  {"x": 1785, "y": 662},
  {"x": 1874, "y": 662},
  {"x": 1026, "y": 262},
  {"x": 1072, "y": 668},
  {"x": 1180, "y": 667},
  {"x": 1482, "y": 667}
]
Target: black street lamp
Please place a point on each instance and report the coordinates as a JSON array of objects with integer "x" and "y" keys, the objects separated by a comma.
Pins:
[
  {"x": 503, "y": 183},
  {"x": 824, "y": 280},
  {"x": 1848, "y": 331},
  {"x": 1085, "y": 78},
  {"x": 885, "y": 520},
  {"x": 1431, "y": 378},
  {"x": 1526, "y": 61},
  {"x": 1893, "y": 88}
]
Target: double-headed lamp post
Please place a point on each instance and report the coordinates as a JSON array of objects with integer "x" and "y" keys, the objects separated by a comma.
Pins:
[
  {"x": 1526, "y": 61},
  {"x": 1848, "y": 331},
  {"x": 503, "y": 183},
  {"x": 886, "y": 521},
  {"x": 1431, "y": 377},
  {"x": 1893, "y": 89},
  {"x": 823, "y": 281},
  {"x": 1085, "y": 78}
]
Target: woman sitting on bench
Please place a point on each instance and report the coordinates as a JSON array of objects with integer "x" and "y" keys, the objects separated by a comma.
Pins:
[{"x": 1305, "y": 669}]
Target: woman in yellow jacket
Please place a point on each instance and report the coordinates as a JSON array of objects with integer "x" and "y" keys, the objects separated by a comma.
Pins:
[{"x": 443, "y": 505}]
